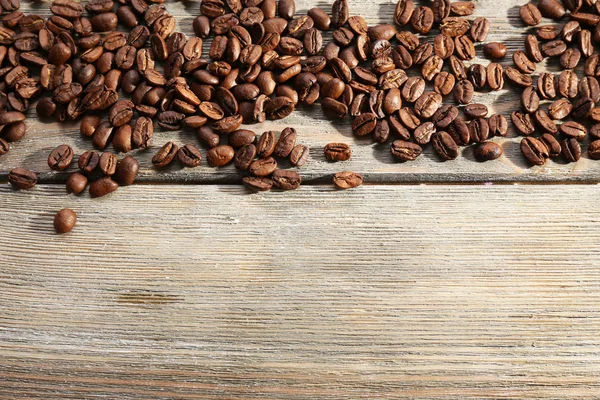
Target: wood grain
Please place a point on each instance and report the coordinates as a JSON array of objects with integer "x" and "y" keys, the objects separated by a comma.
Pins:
[
  {"x": 386, "y": 291},
  {"x": 374, "y": 161}
]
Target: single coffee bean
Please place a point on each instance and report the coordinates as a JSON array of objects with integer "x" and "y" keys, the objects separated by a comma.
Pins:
[
  {"x": 572, "y": 129},
  {"x": 299, "y": 155},
  {"x": 532, "y": 48},
  {"x": 337, "y": 152},
  {"x": 551, "y": 9},
  {"x": 479, "y": 130},
  {"x": 427, "y": 104},
  {"x": 4, "y": 147},
  {"x": 495, "y": 76},
  {"x": 422, "y": 19},
  {"x": 108, "y": 163},
  {"x": 263, "y": 167},
  {"x": 189, "y": 156},
  {"x": 265, "y": 146},
  {"x": 494, "y": 50},
  {"x": 257, "y": 184},
  {"x": 571, "y": 149},
  {"x": 498, "y": 125},
  {"x": 60, "y": 158},
  {"x": 405, "y": 151},
  {"x": 347, "y": 180},
  {"x": 424, "y": 132},
  {"x": 523, "y": 63},
  {"x": 554, "y": 48},
  {"x": 14, "y": 132},
  {"x": 522, "y": 123},
  {"x": 444, "y": 116},
  {"x": 480, "y": 29},
  {"x": 534, "y": 151},
  {"x": 76, "y": 183},
  {"x": 518, "y": 78},
  {"x": 64, "y": 220},
  {"x": 11, "y": 117},
  {"x": 530, "y": 15},
  {"x": 127, "y": 171},
  {"x": 364, "y": 124},
  {"x": 339, "y": 12},
  {"x": 544, "y": 122},
  {"x": 582, "y": 107},
  {"x": 286, "y": 142},
  {"x": 102, "y": 187},
  {"x": 21, "y": 178},
  {"x": 445, "y": 146},
  {"x": 594, "y": 150},
  {"x": 476, "y": 110},
  {"x": 560, "y": 109},
  {"x": 554, "y": 148},
  {"x": 487, "y": 151},
  {"x": 165, "y": 155},
  {"x": 220, "y": 156},
  {"x": 286, "y": 179},
  {"x": 530, "y": 100},
  {"x": 463, "y": 92}
]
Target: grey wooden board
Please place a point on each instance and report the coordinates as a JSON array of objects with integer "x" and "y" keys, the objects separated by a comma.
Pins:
[
  {"x": 373, "y": 161},
  {"x": 386, "y": 291}
]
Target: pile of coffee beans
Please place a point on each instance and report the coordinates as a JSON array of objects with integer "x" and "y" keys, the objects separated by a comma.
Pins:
[
  {"x": 572, "y": 99},
  {"x": 121, "y": 69}
]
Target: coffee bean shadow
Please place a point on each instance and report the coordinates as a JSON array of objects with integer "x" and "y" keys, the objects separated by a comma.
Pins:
[
  {"x": 514, "y": 18},
  {"x": 41, "y": 223},
  {"x": 512, "y": 152}
]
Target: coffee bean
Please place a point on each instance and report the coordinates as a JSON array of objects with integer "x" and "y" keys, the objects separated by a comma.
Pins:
[
  {"x": 189, "y": 156},
  {"x": 534, "y": 151},
  {"x": 476, "y": 110},
  {"x": 405, "y": 151},
  {"x": 4, "y": 147},
  {"x": 494, "y": 50},
  {"x": 286, "y": 179},
  {"x": 364, "y": 124},
  {"x": 463, "y": 92},
  {"x": 487, "y": 151},
  {"x": 554, "y": 148},
  {"x": 220, "y": 156},
  {"x": 14, "y": 132},
  {"x": 554, "y": 48},
  {"x": 263, "y": 167},
  {"x": 518, "y": 78},
  {"x": 594, "y": 150},
  {"x": 530, "y": 15},
  {"x": 464, "y": 47},
  {"x": 299, "y": 155},
  {"x": 403, "y": 12},
  {"x": 11, "y": 117},
  {"x": 530, "y": 100},
  {"x": 523, "y": 63},
  {"x": 142, "y": 132},
  {"x": 165, "y": 155},
  {"x": 582, "y": 107},
  {"x": 422, "y": 19},
  {"x": 76, "y": 183},
  {"x": 522, "y": 123},
  {"x": 102, "y": 187},
  {"x": 286, "y": 142},
  {"x": 337, "y": 152},
  {"x": 347, "y": 180},
  {"x": 480, "y": 29},
  {"x": 479, "y": 130},
  {"x": 427, "y": 104},
  {"x": 459, "y": 131},
  {"x": 60, "y": 158},
  {"x": 571, "y": 149},
  {"x": 444, "y": 146},
  {"x": 495, "y": 76},
  {"x": 64, "y": 220},
  {"x": 444, "y": 116},
  {"x": 339, "y": 12},
  {"x": 560, "y": 109},
  {"x": 21, "y": 178},
  {"x": 257, "y": 184},
  {"x": 551, "y": 9},
  {"x": 108, "y": 163},
  {"x": 572, "y": 129}
]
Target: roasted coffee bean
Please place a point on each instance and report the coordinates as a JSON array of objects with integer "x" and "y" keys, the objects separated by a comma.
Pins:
[
  {"x": 286, "y": 179},
  {"x": 108, "y": 163},
  {"x": 220, "y": 155},
  {"x": 405, "y": 151},
  {"x": 165, "y": 155},
  {"x": 495, "y": 76},
  {"x": 142, "y": 133},
  {"x": 127, "y": 171},
  {"x": 571, "y": 149},
  {"x": 546, "y": 85},
  {"x": 424, "y": 132},
  {"x": 494, "y": 50},
  {"x": 454, "y": 26},
  {"x": 408, "y": 118},
  {"x": 64, "y": 220},
  {"x": 476, "y": 110},
  {"x": 457, "y": 67},
  {"x": 462, "y": 8},
  {"x": 594, "y": 150},
  {"x": 76, "y": 183},
  {"x": 522, "y": 123},
  {"x": 170, "y": 120},
  {"x": 431, "y": 67},
  {"x": 427, "y": 104},
  {"x": 286, "y": 142},
  {"x": 413, "y": 88},
  {"x": 534, "y": 151},
  {"x": 422, "y": 19},
  {"x": 102, "y": 187},
  {"x": 477, "y": 74},
  {"x": 524, "y": 64},
  {"x": 487, "y": 151},
  {"x": 480, "y": 29},
  {"x": 60, "y": 158},
  {"x": 339, "y": 12},
  {"x": 588, "y": 87},
  {"x": 532, "y": 48},
  {"x": 364, "y": 124},
  {"x": 530, "y": 100},
  {"x": 464, "y": 47},
  {"x": 554, "y": 48},
  {"x": 11, "y": 117},
  {"x": 240, "y": 138},
  {"x": 263, "y": 167},
  {"x": 4, "y": 147},
  {"x": 463, "y": 92},
  {"x": 321, "y": 19},
  {"x": 244, "y": 157},
  {"x": 444, "y": 116},
  {"x": 582, "y": 107},
  {"x": 14, "y": 132},
  {"x": 265, "y": 146},
  {"x": 21, "y": 178},
  {"x": 543, "y": 121},
  {"x": 257, "y": 184},
  {"x": 88, "y": 161},
  {"x": 444, "y": 146},
  {"x": 530, "y": 15},
  {"x": 570, "y": 58},
  {"x": 347, "y": 180},
  {"x": 337, "y": 152},
  {"x": 498, "y": 125},
  {"x": 299, "y": 155},
  {"x": 572, "y": 129},
  {"x": 560, "y": 109},
  {"x": 553, "y": 146},
  {"x": 279, "y": 108},
  {"x": 403, "y": 12},
  {"x": 189, "y": 156},
  {"x": 479, "y": 130},
  {"x": 518, "y": 78}
]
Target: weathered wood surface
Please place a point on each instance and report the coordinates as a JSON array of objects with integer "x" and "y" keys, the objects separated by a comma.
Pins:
[
  {"x": 380, "y": 292},
  {"x": 374, "y": 161}
]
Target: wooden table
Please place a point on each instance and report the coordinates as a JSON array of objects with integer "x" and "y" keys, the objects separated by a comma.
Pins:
[{"x": 423, "y": 283}]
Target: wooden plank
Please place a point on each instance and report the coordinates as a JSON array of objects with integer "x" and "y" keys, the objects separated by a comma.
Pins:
[
  {"x": 374, "y": 161},
  {"x": 381, "y": 292}
]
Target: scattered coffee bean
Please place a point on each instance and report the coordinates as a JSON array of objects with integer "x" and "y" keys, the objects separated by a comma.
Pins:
[{"x": 64, "y": 220}]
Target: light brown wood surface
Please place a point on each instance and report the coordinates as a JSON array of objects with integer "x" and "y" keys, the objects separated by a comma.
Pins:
[
  {"x": 373, "y": 161},
  {"x": 382, "y": 292},
  {"x": 207, "y": 291}
]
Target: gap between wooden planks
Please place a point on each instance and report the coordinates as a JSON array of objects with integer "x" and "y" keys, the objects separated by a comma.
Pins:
[{"x": 373, "y": 161}]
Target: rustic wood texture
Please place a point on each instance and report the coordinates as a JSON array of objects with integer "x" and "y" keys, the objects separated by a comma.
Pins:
[
  {"x": 374, "y": 161},
  {"x": 385, "y": 291}
]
